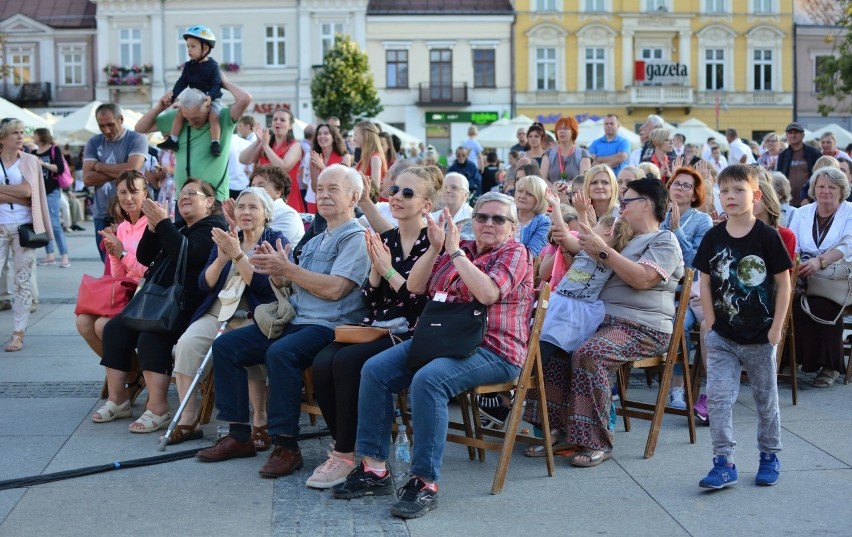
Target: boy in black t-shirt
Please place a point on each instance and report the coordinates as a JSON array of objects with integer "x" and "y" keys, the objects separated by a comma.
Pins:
[{"x": 745, "y": 291}]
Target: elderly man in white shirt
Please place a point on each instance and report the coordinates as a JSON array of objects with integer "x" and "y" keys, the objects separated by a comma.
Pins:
[
  {"x": 238, "y": 174},
  {"x": 739, "y": 151}
]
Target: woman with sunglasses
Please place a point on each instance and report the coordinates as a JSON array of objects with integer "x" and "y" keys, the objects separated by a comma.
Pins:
[
  {"x": 160, "y": 246},
  {"x": 772, "y": 146},
  {"x": 536, "y": 138},
  {"x": 494, "y": 270},
  {"x": 337, "y": 368},
  {"x": 22, "y": 201}
]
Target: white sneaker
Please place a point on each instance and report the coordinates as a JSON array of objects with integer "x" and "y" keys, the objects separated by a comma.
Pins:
[
  {"x": 676, "y": 398},
  {"x": 331, "y": 472}
]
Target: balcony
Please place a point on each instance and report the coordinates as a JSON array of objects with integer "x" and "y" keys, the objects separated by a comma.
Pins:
[
  {"x": 745, "y": 98},
  {"x": 661, "y": 95},
  {"x": 444, "y": 94},
  {"x": 29, "y": 94},
  {"x": 569, "y": 98}
]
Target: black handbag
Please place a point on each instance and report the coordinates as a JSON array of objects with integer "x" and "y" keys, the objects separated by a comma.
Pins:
[
  {"x": 448, "y": 330},
  {"x": 156, "y": 308},
  {"x": 30, "y": 239}
]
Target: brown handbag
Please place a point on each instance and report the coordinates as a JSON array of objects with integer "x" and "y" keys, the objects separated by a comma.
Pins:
[{"x": 354, "y": 333}]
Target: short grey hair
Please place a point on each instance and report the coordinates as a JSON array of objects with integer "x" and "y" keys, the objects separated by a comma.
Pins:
[
  {"x": 655, "y": 120},
  {"x": 459, "y": 176},
  {"x": 191, "y": 98},
  {"x": 782, "y": 186},
  {"x": 354, "y": 178},
  {"x": 400, "y": 166},
  {"x": 835, "y": 176},
  {"x": 263, "y": 196},
  {"x": 500, "y": 198}
]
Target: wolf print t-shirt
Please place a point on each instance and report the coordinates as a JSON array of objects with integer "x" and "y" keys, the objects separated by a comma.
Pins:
[{"x": 742, "y": 279}]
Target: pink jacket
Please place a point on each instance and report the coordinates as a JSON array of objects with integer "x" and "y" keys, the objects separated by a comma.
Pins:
[
  {"x": 129, "y": 235},
  {"x": 31, "y": 171}
]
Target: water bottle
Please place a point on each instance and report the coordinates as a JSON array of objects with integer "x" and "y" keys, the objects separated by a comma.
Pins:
[
  {"x": 223, "y": 430},
  {"x": 402, "y": 456}
]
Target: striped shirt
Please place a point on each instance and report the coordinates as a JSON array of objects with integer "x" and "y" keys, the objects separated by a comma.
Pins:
[{"x": 509, "y": 266}]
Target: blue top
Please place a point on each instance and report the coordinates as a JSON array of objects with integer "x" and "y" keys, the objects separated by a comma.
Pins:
[
  {"x": 258, "y": 292},
  {"x": 203, "y": 76},
  {"x": 534, "y": 234},
  {"x": 693, "y": 225},
  {"x": 470, "y": 170},
  {"x": 607, "y": 148}
]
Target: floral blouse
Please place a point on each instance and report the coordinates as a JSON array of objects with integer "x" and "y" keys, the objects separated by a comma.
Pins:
[{"x": 385, "y": 303}]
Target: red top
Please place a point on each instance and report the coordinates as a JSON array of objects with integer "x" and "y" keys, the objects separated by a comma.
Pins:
[
  {"x": 366, "y": 165},
  {"x": 294, "y": 200},
  {"x": 789, "y": 239}
]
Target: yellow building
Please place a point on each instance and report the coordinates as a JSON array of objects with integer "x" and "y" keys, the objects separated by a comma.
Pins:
[{"x": 725, "y": 62}]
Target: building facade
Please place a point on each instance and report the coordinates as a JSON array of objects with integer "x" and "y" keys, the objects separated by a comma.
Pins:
[
  {"x": 440, "y": 66},
  {"x": 725, "y": 62},
  {"x": 50, "y": 52},
  {"x": 268, "y": 47},
  {"x": 817, "y": 37}
]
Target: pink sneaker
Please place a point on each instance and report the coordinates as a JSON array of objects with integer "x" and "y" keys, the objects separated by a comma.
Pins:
[
  {"x": 700, "y": 410},
  {"x": 331, "y": 472}
]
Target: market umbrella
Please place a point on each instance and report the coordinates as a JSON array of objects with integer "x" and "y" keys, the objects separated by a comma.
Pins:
[
  {"x": 592, "y": 130},
  {"x": 843, "y": 136},
  {"x": 81, "y": 125},
  {"x": 499, "y": 135},
  {"x": 697, "y": 132},
  {"x": 31, "y": 120},
  {"x": 407, "y": 139}
]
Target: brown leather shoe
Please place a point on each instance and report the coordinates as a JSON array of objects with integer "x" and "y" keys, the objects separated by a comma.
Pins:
[
  {"x": 281, "y": 462},
  {"x": 226, "y": 448}
]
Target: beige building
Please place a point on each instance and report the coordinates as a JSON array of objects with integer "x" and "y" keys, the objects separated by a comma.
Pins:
[
  {"x": 50, "y": 51},
  {"x": 439, "y": 69},
  {"x": 268, "y": 47},
  {"x": 816, "y": 37}
]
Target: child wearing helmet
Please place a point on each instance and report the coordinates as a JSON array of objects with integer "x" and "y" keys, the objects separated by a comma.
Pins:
[{"x": 201, "y": 72}]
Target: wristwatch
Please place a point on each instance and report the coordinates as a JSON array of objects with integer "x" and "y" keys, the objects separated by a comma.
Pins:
[
  {"x": 123, "y": 253},
  {"x": 603, "y": 255},
  {"x": 822, "y": 262}
]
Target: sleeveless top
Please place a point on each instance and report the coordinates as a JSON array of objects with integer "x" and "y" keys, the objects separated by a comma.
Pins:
[{"x": 294, "y": 200}]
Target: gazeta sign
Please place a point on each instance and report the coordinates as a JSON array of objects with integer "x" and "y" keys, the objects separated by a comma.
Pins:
[{"x": 660, "y": 73}]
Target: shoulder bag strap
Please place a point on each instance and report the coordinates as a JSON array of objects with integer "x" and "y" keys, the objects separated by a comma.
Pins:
[{"x": 180, "y": 271}]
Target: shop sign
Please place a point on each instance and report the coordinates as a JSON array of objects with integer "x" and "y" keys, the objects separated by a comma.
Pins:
[
  {"x": 270, "y": 108},
  {"x": 477, "y": 118},
  {"x": 660, "y": 73}
]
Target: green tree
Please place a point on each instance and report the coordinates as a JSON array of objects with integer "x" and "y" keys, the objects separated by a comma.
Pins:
[
  {"x": 344, "y": 87},
  {"x": 834, "y": 78}
]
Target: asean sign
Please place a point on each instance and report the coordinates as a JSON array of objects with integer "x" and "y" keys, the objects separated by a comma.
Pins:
[
  {"x": 659, "y": 73},
  {"x": 270, "y": 108}
]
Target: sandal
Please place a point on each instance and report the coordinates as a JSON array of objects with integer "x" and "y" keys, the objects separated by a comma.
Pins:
[
  {"x": 826, "y": 378},
  {"x": 182, "y": 433},
  {"x": 150, "y": 422},
  {"x": 534, "y": 450},
  {"x": 260, "y": 437},
  {"x": 111, "y": 411},
  {"x": 135, "y": 387},
  {"x": 593, "y": 457},
  {"x": 15, "y": 343}
]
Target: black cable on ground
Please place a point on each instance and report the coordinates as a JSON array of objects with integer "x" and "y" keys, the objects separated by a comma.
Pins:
[{"x": 118, "y": 465}]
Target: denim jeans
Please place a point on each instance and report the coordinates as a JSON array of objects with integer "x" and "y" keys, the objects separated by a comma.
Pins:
[
  {"x": 285, "y": 358},
  {"x": 53, "y": 201},
  {"x": 431, "y": 389},
  {"x": 725, "y": 361}
]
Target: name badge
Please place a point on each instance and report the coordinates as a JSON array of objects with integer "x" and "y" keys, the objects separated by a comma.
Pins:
[{"x": 440, "y": 297}]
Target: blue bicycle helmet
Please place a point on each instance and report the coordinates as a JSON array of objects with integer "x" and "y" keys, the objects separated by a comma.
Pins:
[{"x": 202, "y": 33}]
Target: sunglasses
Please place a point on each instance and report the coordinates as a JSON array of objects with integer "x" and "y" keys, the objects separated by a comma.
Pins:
[
  {"x": 407, "y": 193},
  {"x": 483, "y": 218},
  {"x": 7, "y": 120},
  {"x": 190, "y": 193}
]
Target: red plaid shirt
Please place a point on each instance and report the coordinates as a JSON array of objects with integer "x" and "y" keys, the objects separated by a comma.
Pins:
[{"x": 510, "y": 268}]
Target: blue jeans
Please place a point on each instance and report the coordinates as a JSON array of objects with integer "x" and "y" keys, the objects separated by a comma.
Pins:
[
  {"x": 53, "y": 200},
  {"x": 285, "y": 359},
  {"x": 100, "y": 224},
  {"x": 431, "y": 389}
]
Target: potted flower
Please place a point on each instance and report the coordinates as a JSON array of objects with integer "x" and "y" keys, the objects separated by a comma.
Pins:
[{"x": 230, "y": 67}]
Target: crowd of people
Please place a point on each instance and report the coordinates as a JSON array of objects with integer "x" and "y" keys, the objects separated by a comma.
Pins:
[{"x": 385, "y": 236}]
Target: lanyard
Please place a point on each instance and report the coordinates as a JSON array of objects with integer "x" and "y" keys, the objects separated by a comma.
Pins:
[{"x": 6, "y": 178}]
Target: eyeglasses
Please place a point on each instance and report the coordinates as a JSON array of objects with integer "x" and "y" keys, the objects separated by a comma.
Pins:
[
  {"x": 625, "y": 201},
  {"x": 454, "y": 189},
  {"x": 7, "y": 120},
  {"x": 407, "y": 193},
  {"x": 483, "y": 218},
  {"x": 682, "y": 186},
  {"x": 188, "y": 193}
]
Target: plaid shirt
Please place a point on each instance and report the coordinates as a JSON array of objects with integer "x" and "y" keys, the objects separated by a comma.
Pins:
[{"x": 509, "y": 266}]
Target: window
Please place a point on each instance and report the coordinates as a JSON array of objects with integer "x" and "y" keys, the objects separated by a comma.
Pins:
[
  {"x": 714, "y": 69},
  {"x": 483, "y": 68},
  {"x": 595, "y": 6},
  {"x": 545, "y": 5},
  {"x": 545, "y": 68},
  {"x": 21, "y": 64},
  {"x": 651, "y": 54},
  {"x": 595, "y": 69},
  {"x": 130, "y": 46},
  {"x": 397, "y": 68},
  {"x": 763, "y": 70},
  {"x": 73, "y": 67},
  {"x": 275, "y": 46},
  {"x": 819, "y": 67},
  {"x": 715, "y": 6},
  {"x": 763, "y": 6},
  {"x": 232, "y": 44},
  {"x": 441, "y": 74},
  {"x": 327, "y": 32},
  {"x": 182, "y": 54},
  {"x": 656, "y": 5}
]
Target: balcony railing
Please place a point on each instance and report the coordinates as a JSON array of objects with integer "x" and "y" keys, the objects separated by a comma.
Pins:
[
  {"x": 29, "y": 94},
  {"x": 657, "y": 95},
  {"x": 444, "y": 94}
]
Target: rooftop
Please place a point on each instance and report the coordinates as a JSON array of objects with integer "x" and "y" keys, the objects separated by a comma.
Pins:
[
  {"x": 817, "y": 12},
  {"x": 54, "y": 13},
  {"x": 439, "y": 7}
]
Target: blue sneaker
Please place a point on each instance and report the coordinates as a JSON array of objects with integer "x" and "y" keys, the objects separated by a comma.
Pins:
[
  {"x": 721, "y": 475},
  {"x": 770, "y": 467}
]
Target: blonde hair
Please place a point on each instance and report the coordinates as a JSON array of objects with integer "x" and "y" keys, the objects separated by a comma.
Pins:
[
  {"x": 613, "y": 183},
  {"x": 651, "y": 170},
  {"x": 431, "y": 177},
  {"x": 659, "y": 135},
  {"x": 9, "y": 127},
  {"x": 622, "y": 232},
  {"x": 535, "y": 187},
  {"x": 826, "y": 161},
  {"x": 371, "y": 145},
  {"x": 769, "y": 198}
]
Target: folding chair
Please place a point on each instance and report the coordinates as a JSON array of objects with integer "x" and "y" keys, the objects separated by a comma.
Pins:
[
  {"x": 309, "y": 403},
  {"x": 678, "y": 353},
  {"x": 531, "y": 375},
  {"x": 788, "y": 343}
]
